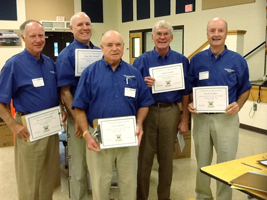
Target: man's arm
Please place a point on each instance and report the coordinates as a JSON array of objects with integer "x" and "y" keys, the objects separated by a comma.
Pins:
[
  {"x": 235, "y": 107},
  {"x": 141, "y": 115},
  {"x": 82, "y": 122},
  {"x": 67, "y": 98},
  {"x": 15, "y": 127},
  {"x": 183, "y": 126}
]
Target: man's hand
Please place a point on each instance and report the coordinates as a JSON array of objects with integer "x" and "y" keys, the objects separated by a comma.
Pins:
[
  {"x": 149, "y": 81},
  {"x": 139, "y": 132},
  {"x": 232, "y": 109},
  {"x": 64, "y": 116},
  {"x": 183, "y": 127},
  {"x": 78, "y": 132},
  {"x": 192, "y": 109},
  {"x": 20, "y": 130},
  {"x": 91, "y": 143}
]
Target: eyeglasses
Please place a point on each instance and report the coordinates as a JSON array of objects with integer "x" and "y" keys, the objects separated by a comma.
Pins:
[{"x": 160, "y": 34}]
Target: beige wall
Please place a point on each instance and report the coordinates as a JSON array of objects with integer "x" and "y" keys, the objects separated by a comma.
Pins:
[{"x": 49, "y": 9}]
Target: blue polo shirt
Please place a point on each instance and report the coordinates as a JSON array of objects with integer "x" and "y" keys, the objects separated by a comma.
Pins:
[
  {"x": 17, "y": 83},
  {"x": 153, "y": 59},
  {"x": 228, "y": 69},
  {"x": 66, "y": 65},
  {"x": 101, "y": 91}
]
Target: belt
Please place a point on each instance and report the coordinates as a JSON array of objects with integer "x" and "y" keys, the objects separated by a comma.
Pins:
[
  {"x": 21, "y": 113},
  {"x": 162, "y": 104},
  {"x": 211, "y": 113},
  {"x": 91, "y": 125}
]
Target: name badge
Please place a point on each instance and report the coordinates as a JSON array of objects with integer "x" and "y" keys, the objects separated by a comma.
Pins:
[
  {"x": 129, "y": 92},
  {"x": 203, "y": 75},
  {"x": 38, "y": 82}
]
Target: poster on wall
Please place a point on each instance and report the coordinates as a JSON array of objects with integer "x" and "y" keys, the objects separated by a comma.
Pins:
[{"x": 10, "y": 38}]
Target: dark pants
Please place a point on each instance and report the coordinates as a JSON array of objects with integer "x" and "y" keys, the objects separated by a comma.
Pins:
[{"x": 160, "y": 130}]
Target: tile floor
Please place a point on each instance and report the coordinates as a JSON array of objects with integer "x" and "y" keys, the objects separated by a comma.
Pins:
[{"x": 250, "y": 143}]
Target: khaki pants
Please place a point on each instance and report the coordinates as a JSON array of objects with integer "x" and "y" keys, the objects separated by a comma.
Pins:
[
  {"x": 37, "y": 167},
  {"x": 220, "y": 131},
  {"x": 100, "y": 165},
  {"x": 78, "y": 166},
  {"x": 160, "y": 130}
]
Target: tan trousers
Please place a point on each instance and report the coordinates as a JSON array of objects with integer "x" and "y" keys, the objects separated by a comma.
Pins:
[
  {"x": 100, "y": 165},
  {"x": 221, "y": 132},
  {"x": 160, "y": 130},
  {"x": 37, "y": 167},
  {"x": 78, "y": 166}
]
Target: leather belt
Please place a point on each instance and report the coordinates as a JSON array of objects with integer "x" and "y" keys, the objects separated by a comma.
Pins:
[
  {"x": 91, "y": 125},
  {"x": 163, "y": 104}
]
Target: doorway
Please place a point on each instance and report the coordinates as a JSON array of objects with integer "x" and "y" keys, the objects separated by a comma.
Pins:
[{"x": 56, "y": 42}]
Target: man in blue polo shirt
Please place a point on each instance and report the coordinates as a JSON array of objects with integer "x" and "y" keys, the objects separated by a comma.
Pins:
[
  {"x": 81, "y": 27},
  {"x": 164, "y": 117},
  {"x": 29, "y": 79},
  {"x": 111, "y": 88},
  {"x": 217, "y": 66}
]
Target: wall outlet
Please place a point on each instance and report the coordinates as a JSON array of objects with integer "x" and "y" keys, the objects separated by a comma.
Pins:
[{"x": 255, "y": 106}]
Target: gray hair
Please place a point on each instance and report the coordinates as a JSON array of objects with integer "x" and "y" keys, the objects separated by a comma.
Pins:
[
  {"x": 24, "y": 24},
  {"x": 75, "y": 15},
  {"x": 162, "y": 24}
]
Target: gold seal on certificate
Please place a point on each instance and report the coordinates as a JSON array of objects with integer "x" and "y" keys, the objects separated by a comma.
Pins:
[
  {"x": 117, "y": 132},
  {"x": 210, "y": 99},
  {"x": 43, "y": 123},
  {"x": 85, "y": 57},
  {"x": 167, "y": 78}
]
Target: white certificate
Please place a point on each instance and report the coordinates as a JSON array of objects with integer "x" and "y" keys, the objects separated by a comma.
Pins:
[
  {"x": 85, "y": 57},
  {"x": 43, "y": 123},
  {"x": 210, "y": 99},
  {"x": 118, "y": 132},
  {"x": 167, "y": 78}
]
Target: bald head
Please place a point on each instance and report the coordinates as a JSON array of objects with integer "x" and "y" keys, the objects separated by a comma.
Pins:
[
  {"x": 218, "y": 20},
  {"x": 81, "y": 27},
  {"x": 112, "y": 47}
]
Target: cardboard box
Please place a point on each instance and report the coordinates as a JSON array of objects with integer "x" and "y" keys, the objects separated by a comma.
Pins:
[
  {"x": 186, "y": 153},
  {"x": 6, "y": 136}
]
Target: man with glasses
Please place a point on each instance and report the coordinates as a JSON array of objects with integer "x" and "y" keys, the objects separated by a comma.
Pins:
[{"x": 164, "y": 117}]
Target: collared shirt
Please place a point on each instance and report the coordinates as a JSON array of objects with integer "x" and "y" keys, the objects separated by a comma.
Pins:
[
  {"x": 102, "y": 92},
  {"x": 66, "y": 65},
  {"x": 18, "y": 81},
  {"x": 153, "y": 59},
  {"x": 228, "y": 69}
]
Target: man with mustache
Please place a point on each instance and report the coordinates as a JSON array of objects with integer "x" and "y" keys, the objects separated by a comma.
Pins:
[
  {"x": 81, "y": 27},
  {"x": 217, "y": 66}
]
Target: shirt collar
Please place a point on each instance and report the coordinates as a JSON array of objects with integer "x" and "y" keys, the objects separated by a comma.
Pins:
[
  {"x": 156, "y": 54},
  {"x": 82, "y": 45},
  {"x": 33, "y": 58},
  {"x": 108, "y": 65},
  {"x": 220, "y": 55}
]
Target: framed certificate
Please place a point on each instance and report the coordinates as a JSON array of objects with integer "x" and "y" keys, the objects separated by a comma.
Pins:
[
  {"x": 210, "y": 99},
  {"x": 117, "y": 132},
  {"x": 43, "y": 123},
  {"x": 85, "y": 57},
  {"x": 167, "y": 78}
]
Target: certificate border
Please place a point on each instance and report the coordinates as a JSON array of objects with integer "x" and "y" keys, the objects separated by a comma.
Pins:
[
  {"x": 104, "y": 146},
  {"x": 29, "y": 117},
  {"x": 151, "y": 71},
  {"x": 195, "y": 89},
  {"x": 77, "y": 72}
]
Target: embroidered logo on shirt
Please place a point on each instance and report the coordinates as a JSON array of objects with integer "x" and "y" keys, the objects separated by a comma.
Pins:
[
  {"x": 128, "y": 78},
  {"x": 52, "y": 72},
  {"x": 229, "y": 70}
]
